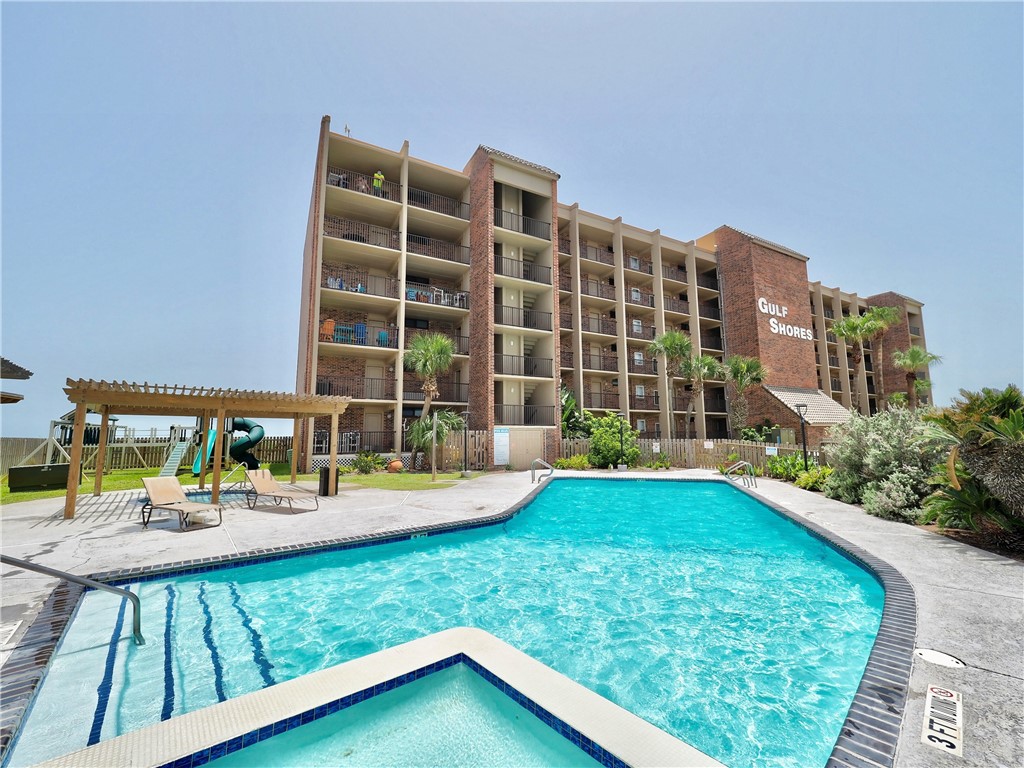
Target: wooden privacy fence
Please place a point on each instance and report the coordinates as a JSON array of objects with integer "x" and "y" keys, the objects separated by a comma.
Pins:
[
  {"x": 13, "y": 450},
  {"x": 701, "y": 454}
]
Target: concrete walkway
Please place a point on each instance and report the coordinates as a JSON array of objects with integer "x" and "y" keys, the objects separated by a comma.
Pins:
[{"x": 970, "y": 602}]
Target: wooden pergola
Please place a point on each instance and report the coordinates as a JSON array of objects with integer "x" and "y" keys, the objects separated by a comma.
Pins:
[{"x": 123, "y": 398}]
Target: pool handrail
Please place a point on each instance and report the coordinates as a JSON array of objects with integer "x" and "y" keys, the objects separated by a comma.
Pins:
[
  {"x": 533, "y": 470},
  {"x": 747, "y": 469},
  {"x": 132, "y": 598}
]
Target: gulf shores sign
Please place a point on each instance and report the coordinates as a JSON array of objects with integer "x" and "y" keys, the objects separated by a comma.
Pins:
[{"x": 777, "y": 314}]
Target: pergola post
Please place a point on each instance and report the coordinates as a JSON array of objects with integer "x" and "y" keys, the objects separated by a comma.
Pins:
[
  {"x": 222, "y": 423},
  {"x": 332, "y": 447},
  {"x": 297, "y": 423},
  {"x": 101, "y": 450},
  {"x": 204, "y": 436},
  {"x": 75, "y": 470}
]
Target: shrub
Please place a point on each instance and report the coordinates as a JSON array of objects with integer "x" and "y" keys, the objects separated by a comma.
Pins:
[
  {"x": 661, "y": 462},
  {"x": 895, "y": 497},
  {"x": 965, "y": 508},
  {"x": 604, "y": 442},
  {"x": 579, "y": 461},
  {"x": 788, "y": 467},
  {"x": 814, "y": 478},
  {"x": 365, "y": 464}
]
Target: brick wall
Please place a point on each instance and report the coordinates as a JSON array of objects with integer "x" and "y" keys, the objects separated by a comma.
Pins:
[
  {"x": 481, "y": 279},
  {"x": 897, "y": 337}
]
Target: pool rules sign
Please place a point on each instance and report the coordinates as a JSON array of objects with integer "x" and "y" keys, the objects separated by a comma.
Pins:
[{"x": 943, "y": 718}]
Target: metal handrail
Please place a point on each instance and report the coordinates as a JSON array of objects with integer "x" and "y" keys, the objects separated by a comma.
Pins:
[
  {"x": 133, "y": 598},
  {"x": 533, "y": 470},
  {"x": 749, "y": 478}
]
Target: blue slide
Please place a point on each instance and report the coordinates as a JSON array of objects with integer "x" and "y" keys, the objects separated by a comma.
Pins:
[{"x": 241, "y": 449}]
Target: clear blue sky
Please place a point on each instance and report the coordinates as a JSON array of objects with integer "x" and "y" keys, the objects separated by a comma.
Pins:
[{"x": 158, "y": 158}]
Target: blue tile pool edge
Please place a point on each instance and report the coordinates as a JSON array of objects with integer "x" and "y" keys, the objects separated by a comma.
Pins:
[{"x": 869, "y": 732}]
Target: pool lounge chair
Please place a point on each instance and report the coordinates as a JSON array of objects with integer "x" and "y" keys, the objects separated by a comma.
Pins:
[
  {"x": 264, "y": 484},
  {"x": 166, "y": 493}
]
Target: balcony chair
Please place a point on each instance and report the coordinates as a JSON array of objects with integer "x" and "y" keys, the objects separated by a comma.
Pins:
[
  {"x": 166, "y": 494},
  {"x": 264, "y": 484}
]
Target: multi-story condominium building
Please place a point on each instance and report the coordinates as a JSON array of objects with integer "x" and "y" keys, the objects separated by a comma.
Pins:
[{"x": 536, "y": 294}]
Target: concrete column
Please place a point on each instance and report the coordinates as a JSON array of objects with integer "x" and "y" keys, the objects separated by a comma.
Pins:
[
  {"x": 403, "y": 238},
  {"x": 622, "y": 313}
]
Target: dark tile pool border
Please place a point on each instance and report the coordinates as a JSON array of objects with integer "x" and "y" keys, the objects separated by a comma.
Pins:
[{"x": 868, "y": 737}]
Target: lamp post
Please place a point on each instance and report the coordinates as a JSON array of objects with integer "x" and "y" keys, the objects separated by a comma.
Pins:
[
  {"x": 622, "y": 450},
  {"x": 801, "y": 408},
  {"x": 465, "y": 443}
]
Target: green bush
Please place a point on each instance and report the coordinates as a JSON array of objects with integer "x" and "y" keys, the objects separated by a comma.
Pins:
[
  {"x": 788, "y": 467},
  {"x": 814, "y": 478},
  {"x": 661, "y": 462},
  {"x": 966, "y": 508},
  {"x": 367, "y": 462},
  {"x": 579, "y": 461},
  {"x": 604, "y": 442}
]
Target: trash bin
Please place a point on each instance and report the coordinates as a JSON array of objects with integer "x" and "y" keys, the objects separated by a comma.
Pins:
[{"x": 325, "y": 477}]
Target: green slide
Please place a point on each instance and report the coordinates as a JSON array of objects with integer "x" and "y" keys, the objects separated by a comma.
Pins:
[{"x": 202, "y": 456}]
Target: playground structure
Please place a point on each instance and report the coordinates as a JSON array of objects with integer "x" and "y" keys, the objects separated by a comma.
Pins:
[{"x": 240, "y": 450}]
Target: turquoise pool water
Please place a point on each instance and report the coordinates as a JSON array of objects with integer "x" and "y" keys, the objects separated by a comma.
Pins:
[
  {"x": 689, "y": 604},
  {"x": 453, "y": 718}
]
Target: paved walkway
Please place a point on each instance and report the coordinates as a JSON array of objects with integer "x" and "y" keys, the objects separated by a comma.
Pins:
[{"x": 970, "y": 602}]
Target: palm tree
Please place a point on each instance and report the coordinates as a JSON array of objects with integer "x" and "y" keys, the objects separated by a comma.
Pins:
[
  {"x": 857, "y": 329},
  {"x": 429, "y": 355},
  {"x": 420, "y": 434},
  {"x": 885, "y": 317},
  {"x": 677, "y": 348},
  {"x": 698, "y": 370},
  {"x": 911, "y": 361},
  {"x": 743, "y": 373}
]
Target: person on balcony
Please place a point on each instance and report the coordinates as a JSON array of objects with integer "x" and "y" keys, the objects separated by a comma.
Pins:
[{"x": 378, "y": 183}]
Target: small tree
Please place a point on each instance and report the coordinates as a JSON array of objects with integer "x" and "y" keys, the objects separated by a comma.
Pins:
[
  {"x": 912, "y": 361},
  {"x": 677, "y": 349},
  {"x": 429, "y": 355},
  {"x": 744, "y": 373},
  {"x": 701, "y": 369},
  {"x": 420, "y": 434},
  {"x": 857, "y": 329},
  {"x": 575, "y": 423},
  {"x": 605, "y": 445}
]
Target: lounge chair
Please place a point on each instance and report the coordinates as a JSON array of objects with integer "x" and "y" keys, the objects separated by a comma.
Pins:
[
  {"x": 166, "y": 493},
  {"x": 264, "y": 484}
]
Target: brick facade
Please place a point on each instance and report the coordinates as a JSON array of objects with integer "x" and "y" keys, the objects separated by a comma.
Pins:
[{"x": 889, "y": 378}]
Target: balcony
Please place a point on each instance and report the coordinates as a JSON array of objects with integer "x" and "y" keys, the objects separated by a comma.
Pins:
[
  {"x": 522, "y": 224},
  {"x": 836, "y": 384},
  {"x": 564, "y": 282},
  {"x": 358, "y": 281},
  {"x": 532, "y": 415},
  {"x": 636, "y": 296},
  {"x": 833, "y": 361},
  {"x": 650, "y": 401},
  {"x": 649, "y": 435},
  {"x": 600, "y": 362},
  {"x": 565, "y": 320},
  {"x": 524, "y": 270},
  {"x": 674, "y": 272},
  {"x": 448, "y": 392},
  {"x": 600, "y": 290},
  {"x": 431, "y": 294},
  {"x": 358, "y": 388},
  {"x": 522, "y": 318},
  {"x": 432, "y": 201},
  {"x": 515, "y": 365},
  {"x": 363, "y": 182},
  {"x": 566, "y": 358},
  {"x": 437, "y": 249},
  {"x": 868, "y": 365},
  {"x": 642, "y": 365},
  {"x": 636, "y": 331},
  {"x": 829, "y": 313},
  {"x": 831, "y": 337},
  {"x": 564, "y": 246},
  {"x": 711, "y": 312},
  {"x": 603, "y": 325},
  {"x": 355, "y": 441},
  {"x": 708, "y": 280},
  {"x": 361, "y": 232},
  {"x": 597, "y": 253},
  {"x": 714, "y": 404},
  {"x": 680, "y": 403},
  {"x": 362, "y": 334},
  {"x": 676, "y": 305},
  {"x": 601, "y": 400},
  {"x": 461, "y": 342},
  {"x": 638, "y": 264},
  {"x": 915, "y": 330}
]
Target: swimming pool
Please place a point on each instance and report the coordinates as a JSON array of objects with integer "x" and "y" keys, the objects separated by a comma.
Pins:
[{"x": 690, "y": 604}]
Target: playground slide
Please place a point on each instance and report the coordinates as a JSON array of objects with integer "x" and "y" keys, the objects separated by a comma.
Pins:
[
  {"x": 201, "y": 456},
  {"x": 241, "y": 449}
]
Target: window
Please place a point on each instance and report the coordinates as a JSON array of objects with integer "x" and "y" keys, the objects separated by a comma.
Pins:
[
  {"x": 634, "y": 263},
  {"x": 640, "y": 391},
  {"x": 638, "y": 358},
  {"x": 638, "y": 327},
  {"x": 634, "y": 294},
  {"x": 641, "y": 425}
]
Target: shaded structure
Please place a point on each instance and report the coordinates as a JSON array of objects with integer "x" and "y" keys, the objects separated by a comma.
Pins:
[
  {"x": 124, "y": 398},
  {"x": 9, "y": 370}
]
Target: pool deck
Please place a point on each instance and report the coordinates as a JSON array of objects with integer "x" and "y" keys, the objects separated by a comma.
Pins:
[{"x": 970, "y": 603}]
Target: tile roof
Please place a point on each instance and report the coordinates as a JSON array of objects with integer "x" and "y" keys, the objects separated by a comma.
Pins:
[
  {"x": 821, "y": 409},
  {"x": 514, "y": 159},
  {"x": 9, "y": 370}
]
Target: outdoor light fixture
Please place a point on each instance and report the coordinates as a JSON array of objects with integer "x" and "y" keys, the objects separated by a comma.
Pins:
[
  {"x": 622, "y": 450},
  {"x": 801, "y": 408}
]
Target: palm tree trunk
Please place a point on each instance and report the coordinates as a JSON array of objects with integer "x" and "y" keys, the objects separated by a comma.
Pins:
[
  {"x": 912, "y": 390},
  {"x": 858, "y": 356},
  {"x": 879, "y": 362}
]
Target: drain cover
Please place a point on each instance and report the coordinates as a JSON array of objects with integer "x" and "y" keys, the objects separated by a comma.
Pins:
[{"x": 938, "y": 657}]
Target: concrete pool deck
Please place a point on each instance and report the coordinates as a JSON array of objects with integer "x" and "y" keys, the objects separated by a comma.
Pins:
[{"x": 970, "y": 602}]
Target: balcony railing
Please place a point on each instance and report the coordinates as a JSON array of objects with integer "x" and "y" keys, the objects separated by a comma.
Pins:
[
  {"x": 640, "y": 332},
  {"x": 603, "y": 400},
  {"x": 565, "y": 320},
  {"x": 829, "y": 313},
  {"x": 353, "y": 441},
  {"x": 833, "y": 360},
  {"x": 915, "y": 330},
  {"x": 363, "y": 182},
  {"x": 461, "y": 342},
  {"x": 566, "y": 358},
  {"x": 564, "y": 282},
  {"x": 868, "y": 365},
  {"x": 646, "y": 365},
  {"x": 438, "y": 249},
  {"x": 831, "y": 337},
  {"x": 710, "y": 312},
  {"x": 708, "y": 280},
  {"x": 711, "y": 341},
  {"x": 361, "y": 333},
  {"x": 361, "y": 232},
  {"x": 673, "y": 272},
  {"x": 836, "y": 384},
  {"x": 534, "y": 415},
  {"x": 358, "y": 281},
  {"x": 432, "y": 294},
  {"x": 598, "y": 325},
  {"x": 600, "y": 290},
  {"x": 676, "y": 305},
  {"x": 564, "y": 246},
  {"x": 522, "y": 318},
  {"x": 634, "y": 296},
  {"x": 600, "y": 362},
  {"x": 680, "y": 403},
  {"x": 356, "y": 387},
  {"x": 714, "y": 405},
  {"x": 524, "y": 270},
  {"x": 597, "y": 253},
  {"x": 523, "y": 224},
  {"x": 646, "y": 402},
  {"x": 448, "y": 392},
  {"x": 432, "y": 201},
  {"x": 638, "y": 264},
  {"x": 516, "y": 365},
  {"x": 650, "y": 435}
]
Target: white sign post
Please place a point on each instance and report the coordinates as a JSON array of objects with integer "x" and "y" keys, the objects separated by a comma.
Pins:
[{"x": 501, "y": 449}]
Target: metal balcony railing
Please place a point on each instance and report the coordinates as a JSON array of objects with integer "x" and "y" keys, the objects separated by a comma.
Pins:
[
  {"x": 868, "y": 365},
  {"x": 565, "y": 319},
  {"x": 356, "y": 387},
  {"x": 432, "y": 201},
  {"x": 708, "y": 280},
  {"x": 600, "y": 290},
  {"x": 461, "y": 342},
  {"x": 598, "y": 325},
  {"x": 634, "y": 296},
  {"x": 714, "y": 405},
  {"x": 711, "y": 341},
  {"x": 829, "y": 313},
  {"x": 358, "y": 281},
  {"x": 524, "y": 270},
  {"x": 448, "y": 392},
  {"x": 564, "y": 246},
  {"x": 353, "y": 441},
  {"x": 645, "y": 365},
  {"x": 566, "y": 358},
  {"x": 606, "y": 400},
  {"x": 638, "y": 264},
  {"x": 679, "y": 403},
  {"x": 640, "y": 331},
  {"x": 522, "y": 318},
  {"x": 361, "y": 232},
  {"x": 710, "y": 312},
  {"x": 361, "y": 333},
  {"x": 523, "y": 224},
  {"x": 831, "y": 337},
  {"x": 600, "y": 362},
  {"x": 516, "y": 365},
  {"x": 432, "y": 294},
  {"x": 564, "y": 282},
  {"x": 676, "y": 305},
  {"x": 363, "y": 182},
  {"x": 674, "y": 272},
  {"x": 915, "y": 330},
  {"x": 597, "y": 253},
  {"x": 438, "y": 249},
  {"x": 650, "y": 435},
  {"x": 646, "y": 402},
  {"x": 533, "y": 415},
  {"x": 836, "y": 384},
  {"x": 833, "y": 361}
]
